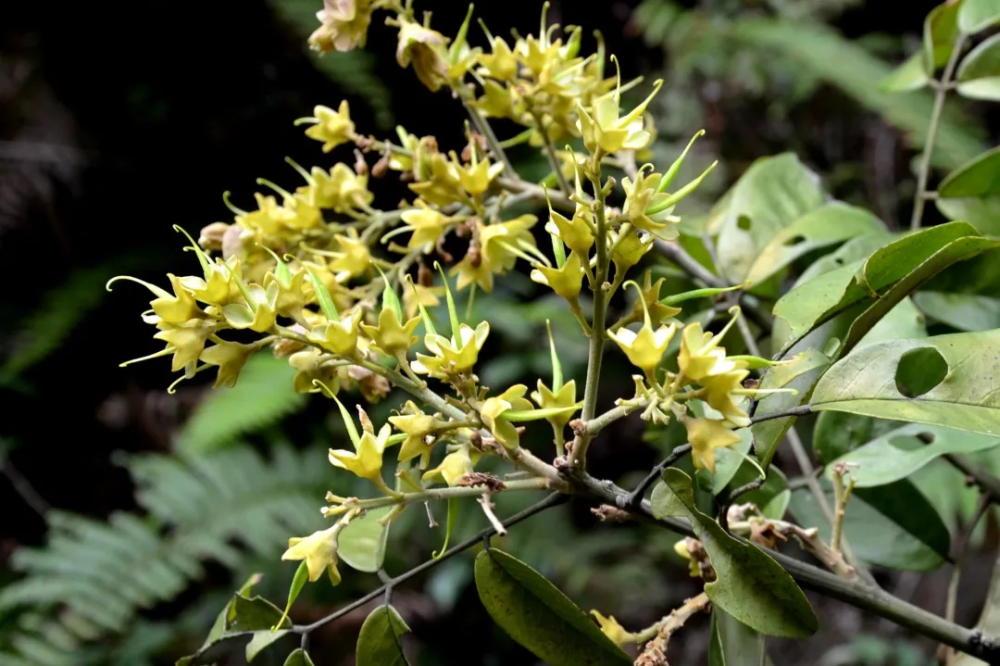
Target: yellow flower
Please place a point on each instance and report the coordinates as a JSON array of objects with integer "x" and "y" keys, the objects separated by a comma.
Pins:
[
  {"x": 187, "y": 342},
  {"x": 340, "y": 190},
  {"x": 352, "y": 260},
  {"x": 444, "y": 186},
  {"x": 492, "y": 410},
  {"x": 425, "y": 49},
  {"x": 640, "y": 196},
  {"x": 644, "y": 349},
  {"x": 366, "y": 460},
  {"x": 175, "y": 308},
  {"x": 706, "y": 435},
  {"x": 602, "y": 128},
  {"x": 230, "y": 357},
  {"x": 391, "y": 337},
  {"x": 426, "y": 223},
  {"x": 575, "y": 232},
  {"x": 310, "y": 366},
  {"x": 649, "y": 301},
  {"x": 339, "y": 337},
  {"x": 269, "y": 218},
  {"x": 344, "y": 25},
  {"x": 501, "y": 64},
  {"x": 476, "y": 177},
  {"x": 565, "y": 396},
  {"x": 719, "y": 395},
  {"x": 453, "y": 468},
  {"x": 499, "y": 246},
  {"x": 565, "y": 281},
  {"x": 454, "y": 356},
  {"x": 292, "y": 294},
  {"x": 331, "y": 127},
  {"x": 258, "y": 313},
  {"x": 610, "y": 628},
  {"x": 419, "y": 295},
  {"x": 700, "y": 355},
  {"x": 319, "y": 550},
  {"x": 214, "y": 288},
  {"x": 497, "y": 101},
  {"x": 419, "y": 429},
  {"x": 630, "y": 250}
]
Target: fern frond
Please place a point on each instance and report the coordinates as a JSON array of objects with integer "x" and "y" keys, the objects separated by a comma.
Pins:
[
  {"x": 262, "y": 395},
  {"x": 216, "y": 507},
  {"x": 353, "y": 71}
]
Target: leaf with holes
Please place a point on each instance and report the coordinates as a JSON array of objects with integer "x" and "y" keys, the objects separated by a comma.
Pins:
[
  {"x": 901, "y": 452},
  {"x": 751, "y": 586},
  {"x": 362, "y": 543},
  {"x": 380, "y": 642},
  {"x": 978, "y": 178},
  {"x": 892, "y": 526},
  {"x": 874, "y": 286},
  {"x": 828, "y": 225},
  {"x": 770, "y": 196},
  {"x": 979, "y": 74},
  {"x": 945, "y": 380},
  {"x": 540, "y": 617}
]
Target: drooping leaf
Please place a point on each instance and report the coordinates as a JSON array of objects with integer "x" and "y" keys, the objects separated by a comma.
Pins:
[
  {"x": 901, "y": 452},
  {"x": 828, "y": 225},
  {"x": 751, "y": 586},
  {"x": 979, "y": 73},
  {"x": 966, "y": 312},
  {"x": 978, "y": 178},
  {"x": 299, "y": 657},
  {"x": 876, "y": 284},
  {"x": 254, "y": 614},
  {"x": 262, "y": 640},
  {"x": 773, "y": 193},
  {"x": 892, "y": 526},
  {"x": 733, "y": 643},
  {"x": 966, "y": 398},
  {"x": 981, "y": 212},
  {"x": 910, "y": 75},
  {"x": 976, "y": 15},
  {"x": 940, "y": 32},
  {"x": 380, "y": 642},
  {"x": 540, "y": 617},
  {"x": 362, "y": 543}
]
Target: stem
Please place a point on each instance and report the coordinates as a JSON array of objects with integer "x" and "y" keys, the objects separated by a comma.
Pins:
[
  {"x": 988, "y": 483},
  {"x": 956, "y": 572},
  {"x": 550, "y": 152},
  {"x": 405, "y": 499},
  {"x": 656, "y": 649},
  {"x": 550, "y": 501},
  {"x": 582, "y": 443},
  {"x": 932, "y": 131},
  {"x": 484, "y": 128},
  {"x": 635, "y": 497},
  {"x": 798, "y": 410}
]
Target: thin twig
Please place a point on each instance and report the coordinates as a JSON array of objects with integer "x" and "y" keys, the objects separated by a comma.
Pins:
[
  {"x": 635, "y": 497},
  {"x": 984, "y": 503},
  {"x": 550, "y": 153},
  {"x": 24, "y": 488},
  {"x": 655, "y": 652},
  {"x": 988, "y": 483},
  {"x": 798, "y": 410}
]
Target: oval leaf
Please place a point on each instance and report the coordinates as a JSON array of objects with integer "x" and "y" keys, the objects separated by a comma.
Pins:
[
  {"x": 540, "y": 617},
  {"x": 380, "y": 642},
  {"x": 362, "y": 542},
  {"x": 751, "y": 586},
  {"x": 981, "y": 212},
  {"x": 940, "y": 32},
  {"x": 976, "y": 15},
  {"x": 733, "y": 643},
  {"x": 299, "y": 657},
  {"x": 965, "y": 312},
  {"x": 966, "y": 399},
  {"x": 911, "y": 75},
  {"x": 978, "y": 178}
]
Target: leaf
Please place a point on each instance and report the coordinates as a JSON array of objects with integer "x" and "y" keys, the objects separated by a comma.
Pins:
[
  {"x": 966, "y": 399},
  {"x": 981, "y": 212},
  {"x": 833, "y": 223},
  {"x": 892, "y": 526},
  {"x": 453, "y": 504},
  {"x": 876, "y": 284},
  {"x": 254, "y": 614},
  {"x": 380, "y": 642},
  {"x": 262, "y": 395},
  {"x": 733, "y": 643},
  {"x": 773, "y": 193},
  {"x": 853, "y": 250},
  {"x": 979, "y": 73},
  {"x": 362, "y": 542},
  {"x": 910, "y": 75},
  {"x": 940, "y": 32},
  {"x": 838, "y": 433},
  {"x": 262, "y": 640},
  {"x": 976, "y": 15},
  {"x": 299, "y": 657},
  {"x": 728, "y": 460},
  {"x": 978, "y": 178},
  {"x": 801, "y": 374},
  {"x": 751, "y": 586},
  {"x": 776, "y": 508},
  {"x": 540, "y": 617},
  {"x": 966, "y": 312},
  {"x": 901, "y": 452}
]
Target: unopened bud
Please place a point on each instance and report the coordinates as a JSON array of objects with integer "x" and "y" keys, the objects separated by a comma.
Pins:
[
  {"x": 212, "y": 235},
  {"x": 360, "y": 165}
]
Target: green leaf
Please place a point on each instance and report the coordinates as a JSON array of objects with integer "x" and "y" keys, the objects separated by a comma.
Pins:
[
  {"x": 540, "y": 617},
  {"x": 979, "y": 73},
  {"x": 853, "y": 250},
  {"x": 775, "y": 509},
  {"x": 262, "y": 640},
  {"x": 380, "y": 642},
  {"x": 978, "y": 178},
  {"x": 362, "y": 543},
  {"x": 981, "y": 212},
  {"x": 838, "y": 433},
  {"x": 966, "y": 399},
  {"x": 733, "y": 643},
  {"x": 966, "y": 312},
  {"x": 833, "y": 223},
  {"x": 976, "y": 15},
  {"x": 453, "y": 504},
  {"x": 892, "y": 526},
  {"x": 901, "y": 452},
  {"x": 299, "y": 657},
  {"x": 940, "y": 32},
  {"x": 801, "y": 374},
  {"x": 911, "y": 75},
  {"x": 728, "y": 460},
  {"x": 254, "y": 614},
  {"x": 770, "y": 196},
  {"x": 876, "y": 284},
  {"x": 262, "y": 395},
  {"x": 751, "y": 586}
]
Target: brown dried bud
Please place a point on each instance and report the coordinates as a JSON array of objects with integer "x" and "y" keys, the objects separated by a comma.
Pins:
[
  {"x": 611, "y": 514},
  {"x": 578, "y": 427},
  {"x": 212, "y": 235},
  {"x": 474, "y": 254},
  {"x": 483, "y": 479},
  {"x": 381, "y": 167},
  {"x": 360, "y": 165},
  {"x": 373, "y": 387},
  {"x": 425, "y": 276}
]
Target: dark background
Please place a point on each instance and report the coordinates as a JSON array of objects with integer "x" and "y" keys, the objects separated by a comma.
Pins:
[{"x": 118, "y": 120}]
